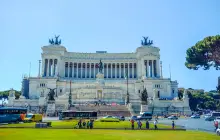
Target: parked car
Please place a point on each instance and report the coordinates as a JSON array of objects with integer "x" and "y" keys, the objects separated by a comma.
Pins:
[
  {"x": 210, "y": 118},
  {"x": 173, "y": 117},
  {"x": 109, "y": 119},
  {"x": 33, "y": 118},
  {"x": 217, "y": 119},
  {"x": 218, "y": 131},
  {"x": 196, "y": 116},
  {"x": 121, "y": 118}
]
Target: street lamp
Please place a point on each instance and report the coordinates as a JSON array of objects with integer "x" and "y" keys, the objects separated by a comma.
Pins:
[
  {"x": 70, "y": 97},
  {"x": 128, "y": 100}
]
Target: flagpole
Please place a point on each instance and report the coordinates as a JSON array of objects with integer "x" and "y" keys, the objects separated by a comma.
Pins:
[
  {"x": 170, "y": 71},
  {"x": 127, "y": 102},
  {"x": 30, "y": 70}
]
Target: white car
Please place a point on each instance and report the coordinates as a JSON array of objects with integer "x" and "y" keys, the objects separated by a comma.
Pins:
[
  {"x": 217, "y": 119},
  {"x": 218, "y": 131}
]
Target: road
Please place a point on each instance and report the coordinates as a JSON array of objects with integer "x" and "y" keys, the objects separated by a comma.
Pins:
[
  {"x": 192, "y": 124},
  {"x": 188, "y": 123}
]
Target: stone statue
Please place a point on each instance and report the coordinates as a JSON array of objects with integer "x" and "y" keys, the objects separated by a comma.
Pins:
[
  {"x": 144, "y": 96},
  {"x": 100, "y": 66},
  {"x": 56, "y": 42},
  {"x": 51, "y": 94},
  {"x": 185, "y": 95},
  {"x": 145, "y": 42},
  {"x": 155, "y": 94}
]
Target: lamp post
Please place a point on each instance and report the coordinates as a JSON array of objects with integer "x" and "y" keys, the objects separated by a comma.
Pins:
[
  {"x": 70, "y": 97},
  {"x": 128, "y": 100}
]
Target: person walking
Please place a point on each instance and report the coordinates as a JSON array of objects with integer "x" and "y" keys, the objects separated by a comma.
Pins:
[
  {"x": 147, "y": 124},
  {"x": 155, "y": 124},
  {"x": 87, "y": 124},
  {"x": 173, "y": 125},
  {"x": 139, "y": 124},
  {"x": 91, "y": 124},
  {"x": 80, "y": 124},
  {"x": 132, "y": 124},
  {"x": 216, "y": 125}
]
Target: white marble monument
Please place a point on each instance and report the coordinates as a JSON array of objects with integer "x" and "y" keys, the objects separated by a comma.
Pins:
[{"x": 144, "y": 67}]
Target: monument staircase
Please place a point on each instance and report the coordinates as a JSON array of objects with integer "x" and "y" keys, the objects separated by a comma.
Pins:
[
  {"x": 134, "y": 109},
  {"x": 103, "y": 110}
]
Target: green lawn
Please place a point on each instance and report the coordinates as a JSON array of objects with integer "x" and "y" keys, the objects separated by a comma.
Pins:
[
  {"x": 97, "y": 124},
  {"x": 86, "y": 134}
]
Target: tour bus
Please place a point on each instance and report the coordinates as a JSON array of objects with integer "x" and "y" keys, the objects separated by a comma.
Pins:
[
  {"x": 213, "y": 116},
  {"x": 12, "y": 114},
  {"x": 68, "y": 115}
]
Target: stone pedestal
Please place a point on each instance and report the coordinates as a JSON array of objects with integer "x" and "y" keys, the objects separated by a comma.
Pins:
[
  {"x": 100, "y": 78},
  {"x": 51, "y": 108}
]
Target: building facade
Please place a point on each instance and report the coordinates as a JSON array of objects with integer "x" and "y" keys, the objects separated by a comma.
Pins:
[{"x": 143, "y": 68}]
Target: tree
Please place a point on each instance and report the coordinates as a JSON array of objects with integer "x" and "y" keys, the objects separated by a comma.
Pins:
[
  {"x": 204, "y": 54},
  {"x": 144, "y": 96},
  {"x": 180, "y": 94}
]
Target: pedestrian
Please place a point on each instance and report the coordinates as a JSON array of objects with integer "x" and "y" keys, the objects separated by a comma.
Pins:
[
  {"x": 139, "y": 124},
  {"x": 80, "y": 124},
  {"x": 173, "y": 125},
  {"x": 84, "y": 124},
  {"x": 147, "y": 124},
  {"x": 216, "y": 125},
  {"x": 88, "y": 123},
  {"x": 132, "y": 124},
  {"x": 155, "y": 124},
  {"x": 91, "y": 124}
]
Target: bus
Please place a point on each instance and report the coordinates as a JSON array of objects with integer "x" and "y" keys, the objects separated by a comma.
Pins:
[
  {"x": 215, "y": 114},
  {"x": 68, "y": 115},
  {"x": 12, "y": 114}
]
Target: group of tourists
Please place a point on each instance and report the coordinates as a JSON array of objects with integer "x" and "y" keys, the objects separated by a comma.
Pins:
[
  {"x": 82, "y": 124},
  {"x": 139, "y": 124}
]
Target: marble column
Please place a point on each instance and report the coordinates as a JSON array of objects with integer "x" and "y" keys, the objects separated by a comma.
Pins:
[
  {"x": 115, "y": 70},
  {"x": 107, "y": 70},
  {"x": 128, "y": 74},
  {"x": 152, "y": 68},
  {"x": 42, "y": 68},
  {"x": 111, "y": 71},
  {"x": 124, "y": 70},
  {"x": 48, "y": 64},
  {"x": 81, "y": 69},
  {"x": 85, "y": 70},
  {"x": 120, "y": 70},
  {"x": 143, "y": 68},
  {"x": 90, "y": 69},
  {"x": 94, "y": 70},
  {"x": 133, "y": 70},
  {"x": 158, "y": 68},
  {"x": 147, "y": 67},
  {"x": 77, "y": 71},
  {"x": 73, "y": 70}
]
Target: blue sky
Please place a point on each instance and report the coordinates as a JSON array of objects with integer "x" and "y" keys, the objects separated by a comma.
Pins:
[{"x": 109, "y": 25}]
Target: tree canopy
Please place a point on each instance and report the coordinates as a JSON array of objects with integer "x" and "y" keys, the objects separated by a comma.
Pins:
[
  {"x": 203, "y": 101},
  {"x": 204, "y": 54},
  {"x": 4, "y": 94}
]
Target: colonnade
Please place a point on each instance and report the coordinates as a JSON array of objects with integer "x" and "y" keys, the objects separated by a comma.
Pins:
[
  {"x": 110, "y": 70},
  {"x": 150, "y": 68},
  {"x": 50, "y": 67}
]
